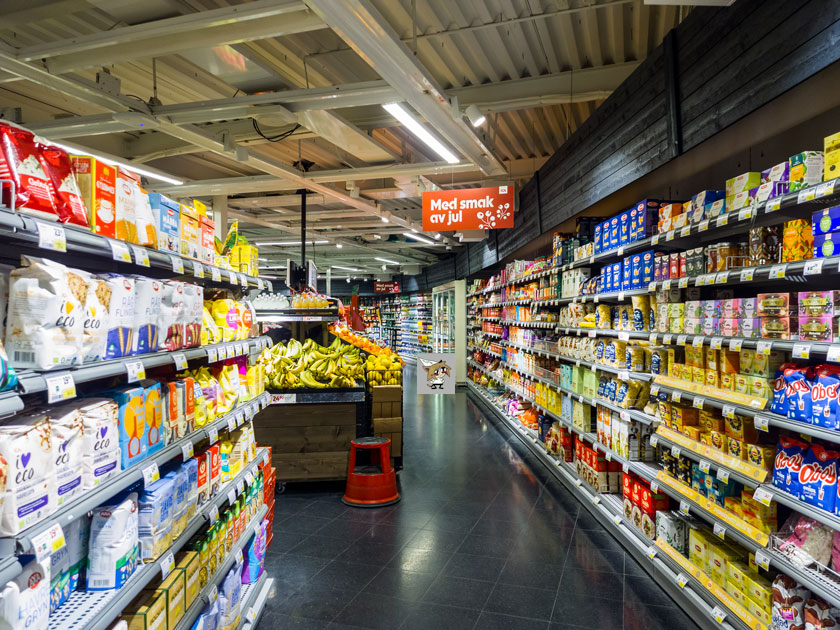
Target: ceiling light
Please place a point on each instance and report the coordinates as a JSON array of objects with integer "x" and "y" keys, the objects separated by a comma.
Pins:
[
  {"x": 344, "y": 268},
  {"x": 386, "y": 260},
  {"x": 348, "y": 280},
  {"x": 112, "y": 160},
  {"x": 384, "y": 219},
  {"x": 339, "y": 245},
  {"x": 417, "y": 237},
  {"x": 437, "y": 236},
  {"x": 401, "y": 114},
  {"x": 262, "y": 259},
  {"x": 476, "y": 117},
  {"x": 282, "y": 243},
  {"x": 384, "y": 267}
]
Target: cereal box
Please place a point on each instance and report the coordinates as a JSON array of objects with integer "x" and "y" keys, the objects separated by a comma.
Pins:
[
  {"x": 167, "y": 214},
  {"x": 190, "y": 232},
  {"x": 98, "y": 186}
]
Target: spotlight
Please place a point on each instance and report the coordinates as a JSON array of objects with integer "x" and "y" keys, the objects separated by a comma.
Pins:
[
  {"x": 339, "y": 245},
  {"x": 476, "y": 117}
]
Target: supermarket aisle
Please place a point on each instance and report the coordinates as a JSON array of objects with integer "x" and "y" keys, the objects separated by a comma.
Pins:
[{"x": 481, "y": 539}]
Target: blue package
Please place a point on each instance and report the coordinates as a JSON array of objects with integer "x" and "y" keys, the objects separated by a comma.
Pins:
[
  {"x": 636, "y": 271},
  {"x": 156, "y": 503},
  {"x": 596, "y": 237},
  {"x": 605, "y": 235},
  {"x": 624, "y": 228},
  {"x": 826, "y": 244},
  {"x": 617, "y": 276},
  {"x": 826, "y": 221},
  {"x": 190, "y": 467},
  {"x": 614, "y": 231},
  {"x": 626, "y": 273},
  {"x": 647, "y": 269},
  {"x": 180, "y": 489},
  {"x": 706, "y": 197}
]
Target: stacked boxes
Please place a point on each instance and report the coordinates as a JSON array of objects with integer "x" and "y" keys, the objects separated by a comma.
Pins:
[
  {"x": 593, "y": 467},
  {"x": 386, "y": 411},
  {"x": 641, "y": 503}
]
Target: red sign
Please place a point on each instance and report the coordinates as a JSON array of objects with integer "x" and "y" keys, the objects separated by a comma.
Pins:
[
  {"x": 468, "y": 209},
  {"x": 386, "y": 287}
]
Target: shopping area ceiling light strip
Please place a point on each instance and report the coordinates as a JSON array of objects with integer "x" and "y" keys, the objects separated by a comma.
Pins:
[
  {"x": 388, "y": 261},
  {"x": 345, "y": 268},
  {"x": 413, "y": 125},
  {"x": 417, "y": 237}
]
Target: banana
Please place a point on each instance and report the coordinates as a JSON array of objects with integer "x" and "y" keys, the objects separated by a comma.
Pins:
[{"x": 307, "y": 379}]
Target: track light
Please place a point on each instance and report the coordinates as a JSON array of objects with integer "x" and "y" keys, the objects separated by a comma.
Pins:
[
  {"x": 476, "y": 117},
  {"x": 437, "y": 236},
  {"x": 339, "y": 245}
]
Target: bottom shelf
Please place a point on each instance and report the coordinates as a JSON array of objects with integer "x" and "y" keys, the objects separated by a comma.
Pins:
[{"x": 253, "y": 601}]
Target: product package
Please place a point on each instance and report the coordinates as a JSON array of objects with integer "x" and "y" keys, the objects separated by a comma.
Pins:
[{"x": 113, "y": 545}]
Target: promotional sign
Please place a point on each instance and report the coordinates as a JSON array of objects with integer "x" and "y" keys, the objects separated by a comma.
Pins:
[
  {"x": 386, "y": 287},
  {"x": 468, "y": 209},
  {"x": 436, "y": 373}
]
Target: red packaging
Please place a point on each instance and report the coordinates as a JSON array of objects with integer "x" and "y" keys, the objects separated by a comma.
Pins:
[
  {"x": 203, "y": 460},
  {"x": 635, "y": 495},
  {"x": 215, "y": 469},
  {"x": 674, "y": 265},
  {"x": 189, "y": 402},
  {"x": 682, "y": 264},
  {"x": 68, "y": 199},
  {"x": 20, "y": 163}
]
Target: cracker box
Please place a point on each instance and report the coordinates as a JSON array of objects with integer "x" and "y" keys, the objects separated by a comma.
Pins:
[
  {"x": 831, "y": 144},
  {"x": 146, "y": 612},
  {"x": 778, "y": 173},
  {"x": 167, "y": 214},
  {"x": 769, "y": 190},
  {"x": 715, "y": 209},
  {"x": 190, "y": 232},
  {"x": 208, "y": 246},
  {"x": 97, "y": 183},
  {"x": 742, "y": 183},
  {"x": 806, "y": 169},
  {"x": 132, "y": 423}
]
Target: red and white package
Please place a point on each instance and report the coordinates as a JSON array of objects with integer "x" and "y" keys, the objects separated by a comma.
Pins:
[
  {"x": 20, "y": 164},
  {"x": 68, "y": 199},
  {"x": 818, "y": 615}
]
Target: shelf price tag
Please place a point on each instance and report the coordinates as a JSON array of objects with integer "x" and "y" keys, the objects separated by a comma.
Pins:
[
  {"x": 180, "y": 361},
  {"x": 623, "y": 375},
  {"x": 722, "y": 278},
  {"x": 718, "y": 614},
  {"x": 762, "y": 559},
  {"x": 251, "y": 615},
  {"x": 231, "y": 424},
  {"x": 697, "y": 403},
  {"x": 808, "y": 194},
  {"x": 240, "y": 418},
  {"x": 608, "y": 455},
  {"x": 686, "y": 231},
  {"x": 722, "y": 475},
  {"x": 744, "y": 214},
  {"x": 833, "y": 354},
  {"x": 214, "y": 513},
  {"x": 762, "y": 423},
  {"x": 813, "y": 267},
  {"x": 51, "y": 236},
  {"x": 596, "y": 500},
  {"x": 151, "y": 474},
  {"x": 666, "y": 284},
  {"x": 177, "y": 264},
  {"x": 682, "y": 580},
  {"x": 801, "y": 350},
  {"x": 670, "y": 234},
  {"x": 212, "y": 354},
  {"x": 240, "y": 486},
  {"x": 720, "y": 531},
  {"x": 667, "y": 339},
  {"x": 135, "y": 371},
  {"x": 654, "y": 439},
  {"x": 231, "y": 496},
  {"x": 735, "y": 344},
  {"x": 119, "y": 251},
  {"x": 167, "y": 563},
  {"x": 654, "y": 389},
  {"x": 763, "y": 496},
  {"x": 747, "y": 275},
  {"x": 778, "y": 271},
  {"x": 654, "y": 487},
  {"x": 617, "y": 519},
  {"x": 722, "y": 220},
  {"x": 705, "y": 465},
  {"x": 698, "y": 340},
  {"x": 682, "y": 340},
  {"x": 578, "y": 482},
  {"x": 685, "y": 508},
  {"x": 675, "y": 451},
  {"x": 60, "y": 387},
  {"x": 654, "y": 240},
  {"x": 624, "y": 336},
  {"x": 141, "y": 256},
  {"x": 213, "y": 435},
  {"x": 249, "y": 477},
  {"x": 187, "y": 450},
  {"x": 651, "y": 552},
  {"x": 676, "y": 396},
  {"x": 824, "y": 190},
  {"x": 213, "y": 594},
  {"x": 215, "y": 274},
  {"x": 625, "y": 467},
  {"x": 653, "y": 337},
  {"x": 625, "y": 417},
  {"x": 773, "y": 205},
  {"x": 728, "y": 412},
  {"x": 715, "y": 343},
  {"x": 239, "y": 556},
  {"x": 243, "y": 279},
  {"x": 703, "y": 225},
  {"x": 198, "y": 269},
  {"x": 48, "y": 542},
  {"x": 764, "y": 347}
]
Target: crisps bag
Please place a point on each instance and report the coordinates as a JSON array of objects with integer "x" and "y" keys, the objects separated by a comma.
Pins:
[
  {"x": 824, "y": 394},
  {"x": 226, "y": 317},
  {"x": 210, "y": 333},
  {"x": 789, "y": 459},
  {"x": 779, "y": 404},
  {"x": 65, "y": 190},
  {"x": 20, "y": 163},
  {"x": 818, "y": 477},
  {"x": 799, "y": 393}
]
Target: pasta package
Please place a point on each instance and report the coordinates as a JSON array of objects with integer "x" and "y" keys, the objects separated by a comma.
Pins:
[
  {"x": 147, "y": 315},
  {"x": 125, "y": 209},
  {"x": 45, "y": 323},
  {"x": 123, "y": 314}
]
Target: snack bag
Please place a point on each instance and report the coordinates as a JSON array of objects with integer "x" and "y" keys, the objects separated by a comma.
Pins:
[
  {"x": 805, "y": 541},
  {"x": 790, "y": 456},
  {"x": 818, "y": 615},
  {"x": 818, "y": 477},
  {"x": 228, "y": 378},
  {"x": 19, "y": 162},
  {"x": 193, "y": 307},
  {"x": 210, "y": 333},
  {"x": 122, "y": 302},
  {"x": 45, "y": 324},
  {"x": 798, "y": 393},
  {"x": 779, "y": 403},
  {"x": 824, "y": 395},
  {"x": 68, "y": 199},
  {"x": 788, "y": 604}
]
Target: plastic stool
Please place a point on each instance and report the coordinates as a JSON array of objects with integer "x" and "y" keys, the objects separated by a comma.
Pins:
[{"x": 373, "y": 485}]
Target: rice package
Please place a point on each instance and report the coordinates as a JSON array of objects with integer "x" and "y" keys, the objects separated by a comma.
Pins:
[
  {"x": 45, "y": 323},
  {"x": 65, "y": 190},
  {"x": 25, "y": 600},
  {"x": 113, "y": 545},
  {"x": 19, "y": 162},
  {"x": 172, "y": 315},
  {"x": 67, "y": 437},
  {"x": 144, "y": 219},
  {"x": 193, "y": 307},
  {"x": 59, "y": 578},
  {"x": 101, "y": 452},
  {"x": 76, "y": 536},
  {"x": 147, "y": 314},
  {"x": 97, "y": 318},
  {"x": 155, "y": 518},
  {"x": 123, "y": 319},
  {"x": 30, "y": 488}
]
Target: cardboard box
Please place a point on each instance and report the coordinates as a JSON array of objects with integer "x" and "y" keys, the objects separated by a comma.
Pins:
[
  {"x": 387, "y": 393},
  {"x": 173, "y": 590},
  {"x": 742, "y": 183},
  {"x": 390, "y": 428},
  {"x": 386, "y": 409},
  {"x": 97, "y": 183},
  {"x": 806, "y": 169},
  {"x": 146, "y": 612},
  {"x": 190, "y": 232},
  {"x": 208, "y": 245},
  {"x": 831, "y": 145},
  {"x": 167, "y": 214},
  {"x": 189, "y": 561}
]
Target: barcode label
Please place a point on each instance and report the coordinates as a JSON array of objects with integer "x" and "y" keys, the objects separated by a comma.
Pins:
[{"x": 23, "y": 357}]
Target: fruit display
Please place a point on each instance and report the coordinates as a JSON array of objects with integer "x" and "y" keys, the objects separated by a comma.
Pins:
[
  {"x": 362, "y": 342},
  {"x": 297, "y": 365},
  {"x": 383, "y": 370},
  {"x": 310, "y": 300}
]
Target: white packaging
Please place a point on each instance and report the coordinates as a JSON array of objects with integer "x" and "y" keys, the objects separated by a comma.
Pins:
[
  {"x": 123, "y": 319},
  {"x": 25, "y": 601},
  {"x": 192, "y": 314},
  {"x": 147, "y": 313},
  {"x": 97, "y": 318},
  {"x": 101, "y": 455},
  {"x": 113, "y": 546},
  {"x": 144, "y": 219},
  {"x": 46, "y": 315},
  {"x": 30, "y": 488},
  {"x": 76, "y": 535},
  {"x": 172, "y": 315},
  {"x": 66, "y": 429}
]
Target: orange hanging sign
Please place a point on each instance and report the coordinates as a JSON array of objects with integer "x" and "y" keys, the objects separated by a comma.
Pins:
[{"x": 485, "y": 208}]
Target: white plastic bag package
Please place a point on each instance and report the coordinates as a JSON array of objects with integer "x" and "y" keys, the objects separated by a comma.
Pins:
[
  {"x": 123, "y": 318},
  {"x": 66, "y": 436},
  {"x": 25, "y": 444},
  {"x": 100, "y": 438},
  {"x": 192, "y": 315},
  {"x": 45, "y": 320},
  {"x": 25, "y": 601},
  {"x": 97, "y": 318},
  {"x": 149, "y": 297},
  {"x": 76, "y": 536},
  {"x": 172, "y": 315},
  {"x": 113, "y": 545}
]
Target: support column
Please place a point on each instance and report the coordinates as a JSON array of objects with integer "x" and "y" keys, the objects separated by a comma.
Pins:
[{"x": 220, "y": 215}]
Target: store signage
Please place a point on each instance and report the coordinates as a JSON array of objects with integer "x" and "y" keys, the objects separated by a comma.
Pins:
[
  {"x": 485, "y": 208},
  {"x": 386, "y": 287}
]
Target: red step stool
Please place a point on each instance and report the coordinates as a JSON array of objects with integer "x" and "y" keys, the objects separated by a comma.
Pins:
[{"x": 373, "y": 485}]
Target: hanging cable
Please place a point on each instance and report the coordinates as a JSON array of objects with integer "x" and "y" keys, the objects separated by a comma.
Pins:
[{"x": 277, "y": 138}]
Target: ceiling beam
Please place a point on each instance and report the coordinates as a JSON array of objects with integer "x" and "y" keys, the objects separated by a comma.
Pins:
[
  {"x": 364, "y": 29},
  {"x": 229, "y": 25}
]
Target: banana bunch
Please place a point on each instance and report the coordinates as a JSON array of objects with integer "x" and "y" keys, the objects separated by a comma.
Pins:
[{"x": 296, "y": 365}]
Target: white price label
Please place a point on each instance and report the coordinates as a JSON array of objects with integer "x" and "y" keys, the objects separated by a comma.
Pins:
[
  {"x": 187, "y": 450},
  {"x": 141, "y": 256},
  {"x": 51, "y": 236},
  {"x": 720, "y": 531},
  {"x": 596, "y": 500},
  {"x": 625, "y": 468},
  {"x": 716, "y": 343},
  {"x": 240, "y": 418},
  {"x": 653, "y": 337},
  {"x": 675, "y": 451},
  {"x": 722, "y": 475},
  {"x": 670, "y": 234},
  {"x": 180, "y": 361},
  {"x": 167, "y": 563},
  {"x": 213, "y": 594},
  {"x": 744, "y": 214},
  {"x": 620, "y": 251},
  {"x": 249, "y": 477},
  {"x": 762, "y": 559},
  {"x": 151, "y": 474},
  {"x": 697, "y": 403},
  {"x": 654, "y": 440},
  {"x": 231, "y": 424},
  {"x": 667, "y": 339},
  {"x": 763, "y": 496},
  {"x": 651, "y": 552},
  {"x": 703, "y": 225},
  {"x": 625, "y": 417},
  {"x": 212, "y": 354},
  {"x": 231, "y": 496},
  {"x": 747, "y": 275},
  {"x": 773, "y": 205},
  {"x": 240, "y": 486},
  {"x": 239, "y": 556},
  {"x": 654, "y": 487},
  {"x": 623, "y": 375},
  {"x": 718, "y": 614},
  {"x": 198, "y": 269},
  {"x": 685, "y": 508},
  {"x": 801, "y": 350},
  {"x": 722, "y": 220},
  {"x": 682, "y": 340},
  {"x": 654, "y": 389},
  {"x": 608, "y": 455},
  {"x": 813, "y": 267},
  {"x": 833, "y": 354},
  {"x": 654, "y": 240},
  {"x": 778, "y": 271},
  {"x": 762, "y": 423},
  {"x": 624, "y": 336},
  {"x": 177, "y": 264},
  {"x": 617, "y": 519},
  {"x": 682, "y": 283},
  {"x": 808, "y": 194},
  {"x": 231, "y": 276},
  {"x": 735, "y": 344},
  {"x": 578, "y": 482},
  {"x": 682, "y": 580},
  {"x": 728, "y": 412},
  {"x": 591, "y": 333},
  {"x": 705, "y": 466},
  {"x": 251, "y": 615},
  {"x": 60, "y": 387},
  {"x": 120, "y": 251},
  {"x": 243, "y": 279},
  {"x": 676, "y": 396},
  {"x": 686, "y": 231},
  {"x": 213, "y": 435},
  {"x": 135, "y": 371},
  {"x": 722, "y": 278},
  {"x": 824, "y": 190},
  {"x": 215, "y": 274},
  {"x": 265, "y": 458},
  {"x": 48, "y": 542},
  {"x": 666, "y": 284},
  {"x": 214, "y": 514},
  {"x": 698, "y": 340},
  {"x": 763, "y": 348}
]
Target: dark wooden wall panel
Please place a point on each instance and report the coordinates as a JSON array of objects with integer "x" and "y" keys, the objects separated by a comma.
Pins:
[
  {"x": 440, "y": 273},
  {"x": 525, "y": 224},
  {"x": 462, "y": 263}
]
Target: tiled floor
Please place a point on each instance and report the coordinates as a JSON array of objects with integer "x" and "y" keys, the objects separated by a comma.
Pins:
[{"x": 482, "y": 539}]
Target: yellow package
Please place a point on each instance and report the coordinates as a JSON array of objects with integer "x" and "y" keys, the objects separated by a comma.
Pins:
[
  {"x": 228, "y": 379},
  {"x": 759, "y": 589},
  {"x": 603, "y": 318},
  {"x": 210, "y": 332},
  {"x": 641, "y": 312},
  {"x": 225, "y": 315},
  {"x": 736, "y": 571},
  {"x": 146, "y": 612},
  {"x": 698, "y": 543}
]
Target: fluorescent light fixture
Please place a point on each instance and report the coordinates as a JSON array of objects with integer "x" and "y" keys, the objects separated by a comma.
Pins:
[
  {"x": 384, "y": 219},
  {"x": 417, "y": 237},
  {"x": 386, "y": 260},
  {"x": 282, "y": 243},
  {"x": 344, "y": 268},
  {"x": 140, "y": 170},
  {"x": 476, "y": 117},
  {"x": 339, "y": 245},
  {"x": 262, "y": 259},
  {"x": 437, "y": 236},
  {"x": 401, "y": 114},
  {"x": 273, "y": 267}
]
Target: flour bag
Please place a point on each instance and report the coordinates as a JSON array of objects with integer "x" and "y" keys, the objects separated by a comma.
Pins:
[
  {"x": 97, "y": 318},
  {"x": 149, "y": 297},
  {"x": 113, "y": 546},
  {"x": 25, "y": 601},
  {"x": 66, "y": 427},
  {"x": 123, "y": 320},
  {"x": 101, "y": 453}
]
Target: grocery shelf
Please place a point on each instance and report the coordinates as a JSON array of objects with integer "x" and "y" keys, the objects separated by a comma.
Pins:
[
  {"x": 785, "y": 498},
  {"x": 90, "y": 499},
  {"x": 10, "y": 568},
  {"x": 23, "y": 230},
  {"x": 304, "y": 397},
  {"x": 254, "y": 597},
  {"x": 98, "y": 609},
  {"x": 513, "y": 322},
  {"x": 521, "y": 280}
]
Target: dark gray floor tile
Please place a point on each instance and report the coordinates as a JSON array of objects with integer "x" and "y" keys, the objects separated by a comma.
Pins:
[
  {"x": 325, "y": 509},
  {"x": 591, "y": 612},
  {"x": 536, "y": 574},
  {"x": 594, "y": 559},
  {"x": 390, "y": 534},
  {"x": 368, "y": 552},
  {"x": 647, "y": 617},
  {"x": 436, "y": 539},
  {"x": 494, "y": 546},
  {"x": 643, "y": 590},
  {"x": 495, "y": 621},
  {"x": 420, "y": 560},
  {"x": 485, "y": 568},
  {"x": 271, "y": 619},
  {"x": 344, "y": 529},
  {"x": 315, "y": 602},
  {"x": 376, "y": 611},
  {"x": 436, "y": 617},
  {"x": 460, "y": 592},
  {"x": 301, "y": 524},
  {"x": 289, "y": 572},
  {"x": 317, "y": 546},
  {"x": 401, "y": 584},
  {"x": 494, "y": 527},
  {"x": 283, "y": 541},
  {"x": 605, "y": 585},
  {"x": 521, "y": 601},
  {"x": 452, "y": 523},
  {"x": 345, "y": 576}
]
